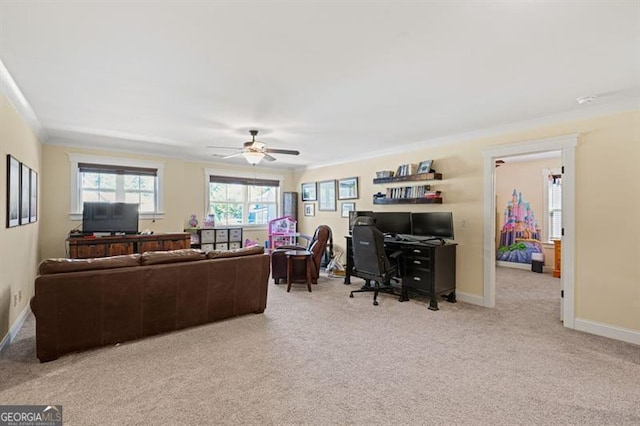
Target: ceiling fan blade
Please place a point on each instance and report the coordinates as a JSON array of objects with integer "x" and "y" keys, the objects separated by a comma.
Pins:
[
  {"x": 233, "y": 155},
  {"x": 282, "y": 151},
  {"x": 269, "y": 158}
]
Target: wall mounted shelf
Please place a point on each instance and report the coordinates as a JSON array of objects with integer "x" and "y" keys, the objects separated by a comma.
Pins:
[
  {"x": 385, "y": 200},
  {"x": 409, "y": 178}
]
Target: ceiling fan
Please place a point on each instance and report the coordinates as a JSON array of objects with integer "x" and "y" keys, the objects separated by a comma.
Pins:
[{"x": 254, "y": 151}]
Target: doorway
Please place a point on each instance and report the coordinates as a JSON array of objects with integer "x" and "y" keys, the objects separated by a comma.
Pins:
[{"x": 566, "y": 144}]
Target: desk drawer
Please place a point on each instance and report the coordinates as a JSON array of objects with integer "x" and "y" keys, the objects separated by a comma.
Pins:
[
  {"x": 418, "y": 252},
  {"x": 417, "y": 281},
  {"x": 417, "y": 264}
]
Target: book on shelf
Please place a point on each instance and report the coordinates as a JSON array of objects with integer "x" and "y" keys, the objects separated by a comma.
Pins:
[
  {"x": 411, "y": 192},
  {"x": 406, "y": 170}
]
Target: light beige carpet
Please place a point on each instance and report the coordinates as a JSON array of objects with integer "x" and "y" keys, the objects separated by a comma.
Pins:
[{"x": 323, "y": 358}]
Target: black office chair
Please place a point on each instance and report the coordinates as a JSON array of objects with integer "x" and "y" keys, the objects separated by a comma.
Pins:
[{"x": 370, "y": 261}]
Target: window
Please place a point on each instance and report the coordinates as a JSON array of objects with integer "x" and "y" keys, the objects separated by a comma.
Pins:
[
  {"x": 554, "y": 207},
  {"x": 242, "y": 201},
  {"x": 116, "y": 180}
]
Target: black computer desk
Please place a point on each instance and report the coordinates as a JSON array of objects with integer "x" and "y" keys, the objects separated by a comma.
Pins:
[{"x": 425, "y": 268}]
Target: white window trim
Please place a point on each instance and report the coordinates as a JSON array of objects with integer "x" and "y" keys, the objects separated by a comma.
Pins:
[
  {"x": 215, "y": 172},
  {"x": 545, "y": 186},
  {"x": 74, "y": 183}
]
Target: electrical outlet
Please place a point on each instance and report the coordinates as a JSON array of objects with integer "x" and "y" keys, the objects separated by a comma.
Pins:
[{"x": 464, "y": 223}]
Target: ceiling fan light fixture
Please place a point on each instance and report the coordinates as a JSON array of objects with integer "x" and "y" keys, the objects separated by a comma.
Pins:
[{"x": 253, "y": 157}]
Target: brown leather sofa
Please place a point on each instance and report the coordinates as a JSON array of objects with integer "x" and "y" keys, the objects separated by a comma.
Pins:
[
  {"x": 85, "y": 303},
  {"x": 317, "y": 246}
]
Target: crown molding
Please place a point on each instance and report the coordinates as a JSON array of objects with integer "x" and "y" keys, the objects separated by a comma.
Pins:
[
  {"x": 591, "y": 111},
  {"x": 11, "y": 90}
]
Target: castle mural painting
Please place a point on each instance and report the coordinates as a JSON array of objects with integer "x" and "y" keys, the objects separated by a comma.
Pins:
[{"x": 520, "y": 234}]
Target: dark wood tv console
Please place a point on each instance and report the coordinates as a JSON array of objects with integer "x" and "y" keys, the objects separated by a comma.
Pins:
[{"x": 88, "y": 247}]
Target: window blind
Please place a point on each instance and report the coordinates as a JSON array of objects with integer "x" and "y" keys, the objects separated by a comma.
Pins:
[
  {"x": 116, "y": 170},
  {"x": 243, "y": 181}
]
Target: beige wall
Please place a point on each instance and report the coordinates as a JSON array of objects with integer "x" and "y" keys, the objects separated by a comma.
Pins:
[
  {"x": 607, "y": 209},
  {"x": 184, "y": 194},
  {"x": 527, "y": 178},
  {"x": 18, "y": 245}
]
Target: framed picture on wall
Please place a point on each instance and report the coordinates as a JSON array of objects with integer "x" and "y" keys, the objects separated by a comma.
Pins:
[
  {"x": 33, "y": 191},
  {"x": 25, "y": 193},
  {"x": 309, "y": 209},
  {"x": 348, "y": 188},
  {"x": 309, "y": 191},
  {"x": 13, "y": 192},
  {"x": 346, "y": 208},
  {"x": 327, "y": 195}
]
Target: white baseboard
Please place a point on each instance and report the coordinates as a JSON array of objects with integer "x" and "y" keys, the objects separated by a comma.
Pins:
[
  {"x": 469, "y": 298},
  {"x": 514, "y": 265},
  {"x": 606, "y": 330},
  {"x": 15, "y": 328}
]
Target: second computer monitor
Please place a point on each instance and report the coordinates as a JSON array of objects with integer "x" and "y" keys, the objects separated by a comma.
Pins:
[
  {"x": 433, "y": 224},
  {"x": 393, "y": 222}
]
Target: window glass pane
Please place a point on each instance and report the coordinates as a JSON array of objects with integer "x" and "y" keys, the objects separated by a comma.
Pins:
[
  {"x": 107, "y": 196},
  {"x": 90, "y": 196},
  {"x": 217, "y": 192},
  {"x": 262, "y": 193},
  {"x": 131, "y": 182},
  {"x": 90, "y": 180},
  {"x": 147, "y": 202},
  {"x": 107, "y": 181},
  {"x": 147, "y": 183},
  {"x": 132, "y": 197},
  {"x": 235, "y": 192},
  {"x": 227, "y": 213},
  {"x": 260, "y": 214}
]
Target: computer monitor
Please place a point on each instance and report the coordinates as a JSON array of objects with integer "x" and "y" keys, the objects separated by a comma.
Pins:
[
  {"x": 393, "y": 223},
  {"x": 114, "y": 218},
  {"x": 433, "y": 224}
]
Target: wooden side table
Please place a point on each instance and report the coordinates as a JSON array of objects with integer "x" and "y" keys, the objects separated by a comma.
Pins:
[{"x": 298, "y": 256}]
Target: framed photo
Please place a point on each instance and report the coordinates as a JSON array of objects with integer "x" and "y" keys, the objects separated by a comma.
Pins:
[
  {"x": 13, "y": 192},
  {"x": 33, "y": 191},
  {"x": 25, "y": 193},
  {"x": 425, "y": 166},
  {"x": 309, "y": 209},
  {"x": 309, "y": 191},
  {"x": 346, "y": 208},
  {"x": 348, "y": 188},
  {"x": 327, "y": 195}
]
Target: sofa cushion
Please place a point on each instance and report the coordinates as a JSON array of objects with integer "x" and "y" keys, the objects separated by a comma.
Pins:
[
  {"x": 172, "y": 256},
  {"x": 61, "y": 265},
  {"x": 244, "y": 251}
]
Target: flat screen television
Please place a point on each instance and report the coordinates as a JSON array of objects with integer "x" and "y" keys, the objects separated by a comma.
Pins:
[
  {"x": 433, "y": 225},
  {"x": 393, "y": 223},
  {"x": 114, "y": 218}
]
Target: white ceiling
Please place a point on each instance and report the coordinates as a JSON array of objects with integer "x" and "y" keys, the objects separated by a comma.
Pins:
[{"x": 333, "y": 80}]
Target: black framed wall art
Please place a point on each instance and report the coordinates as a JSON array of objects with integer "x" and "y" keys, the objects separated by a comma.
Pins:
[
  {"x": 13, "y": 192},
  {"x": 25, "y": 193},
  {"x": 327, "y": 195}
]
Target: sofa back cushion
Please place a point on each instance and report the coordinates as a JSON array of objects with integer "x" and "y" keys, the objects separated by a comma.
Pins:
[
  {"x": 61, "y": 265},
  {"x": 171, "y": 256},
  {"x": 244, "y": 251}
]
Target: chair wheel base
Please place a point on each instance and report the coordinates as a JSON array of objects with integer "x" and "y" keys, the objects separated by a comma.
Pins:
[
  {"x": 375, "y": 303},
  {"x": 351, "y": 295}
]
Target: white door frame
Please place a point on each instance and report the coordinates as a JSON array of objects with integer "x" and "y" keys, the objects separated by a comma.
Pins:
[{"x": 567, "y": 145}]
